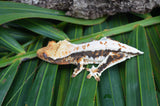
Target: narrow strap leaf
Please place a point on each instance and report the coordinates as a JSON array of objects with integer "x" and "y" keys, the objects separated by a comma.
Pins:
[
  {"x": 41, "y": 92},
  {"x": 132, "y": 80},
  {"x": 140, "y": 86},
  {"x": 42, "y": 27},
  {"x": 10, "y": 43},
  {"x": 145, "y": 71},
  {"x": 20, "y": 88},
  {"x": 21, "y": 57},
  {"x": 6, "y": 78},
  {"x": 154, "y": 46},
  {"x": 118, "y": 30}
]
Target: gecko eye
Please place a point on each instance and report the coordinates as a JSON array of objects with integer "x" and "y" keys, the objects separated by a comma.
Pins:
[{"x": 45, "y": 56}]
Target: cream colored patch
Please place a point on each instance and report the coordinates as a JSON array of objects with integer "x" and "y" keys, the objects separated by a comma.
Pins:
[{"x": 60, "y": 49}]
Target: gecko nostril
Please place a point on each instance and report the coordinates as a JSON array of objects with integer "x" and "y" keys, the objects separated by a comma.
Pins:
[{"x": 45, "y": 56}]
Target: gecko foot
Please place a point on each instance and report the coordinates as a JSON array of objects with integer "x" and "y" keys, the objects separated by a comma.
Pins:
[
  {"x": 93, "y": 72},
  {"x": 76, "y": 71}
]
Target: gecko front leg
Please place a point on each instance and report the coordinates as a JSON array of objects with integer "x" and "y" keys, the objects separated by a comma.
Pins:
[
  {"x": 79, "y": 67},
  {"x": 111, "y": 59}
]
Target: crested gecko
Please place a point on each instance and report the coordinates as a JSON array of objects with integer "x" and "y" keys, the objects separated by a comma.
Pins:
[{"x": 104, "y": 52}]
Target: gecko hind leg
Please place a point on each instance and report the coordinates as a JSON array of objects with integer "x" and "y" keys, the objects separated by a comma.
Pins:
[
  {"x": 93, "y": 72},
  {"x": 109, "y": 61},
  {"x": 79, "y": 67}
]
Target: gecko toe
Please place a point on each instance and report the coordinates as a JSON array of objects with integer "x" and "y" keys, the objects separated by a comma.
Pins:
[
  {"x": 89, "y": 76},
  {"x": 95, "y": 75},
  {"x": 87, "y": 69},
  {"x": 97, "y": 78},
  {"x": 74, "y": 75}
]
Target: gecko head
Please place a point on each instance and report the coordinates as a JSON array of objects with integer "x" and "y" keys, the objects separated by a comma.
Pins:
[
  {"x": 46, "y": 53},
  {"x": 54, "y": 52}
]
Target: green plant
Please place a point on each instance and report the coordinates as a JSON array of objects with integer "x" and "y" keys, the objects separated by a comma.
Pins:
[{"x": 27, "y": 80}]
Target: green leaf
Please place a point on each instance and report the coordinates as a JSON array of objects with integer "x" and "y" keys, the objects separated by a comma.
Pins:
[
  {"x": 116, "y": 87},
  {"x": 43, "y": 28},
  {"x": 110, "y": 88},
  {"x": 42, "y": 88},
  {"x": 154, "y": 42},
  {"x": 132, "y": 80},
  {"x": 118, "y": 30},
  {"x": 158, "y": 96},
  {"x": 146, "y": 79},
  {"x": 87, "y": 92},
  {"x": 10, "y": 43},
  {"x": 145, "y": 88},
  {"x": 20, "y": 57},
  {"x": 61, "y": 25},
  {"x": 145, "y": 16},
  {"x": 74, "y": 31},
  {"x": 19, "y": 35},
  {"x": 3, "y": 54},
  {"x": 65, "y": 77},
  {"x": 97, "y": 99},
  {"x": 6, "y": 78},
  {"x": 21, "y": 84},
  {"x": 12, "y": 11},
  {"x": 81, "y": 91},
  {"x": 23, "y": 80}
]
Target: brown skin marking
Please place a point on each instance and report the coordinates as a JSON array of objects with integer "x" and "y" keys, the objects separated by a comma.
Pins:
[
  {"x": 115, "y": 54},
  {"x": 117, "y": 57},
  {"x": 121, "y": 46},
  {"x": 124, "y": 47},
  {"x": 114, "y": 58},
  {"x": 93, "y": 53},
  {"x": 111, "y": 59},
  {"x": 96, "y": 53},
  {"x": 66, "y": 52},
  {"x": 79, "y": 60},
  {"x": 77, "y": 48},
  {"x": 101, "y": 42},
  {"x": 101, "y": 54},
  {"x": 105, "y": 42},
  {"x": 88, "y": 45},
  {"x": 84, "y": 46}
]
